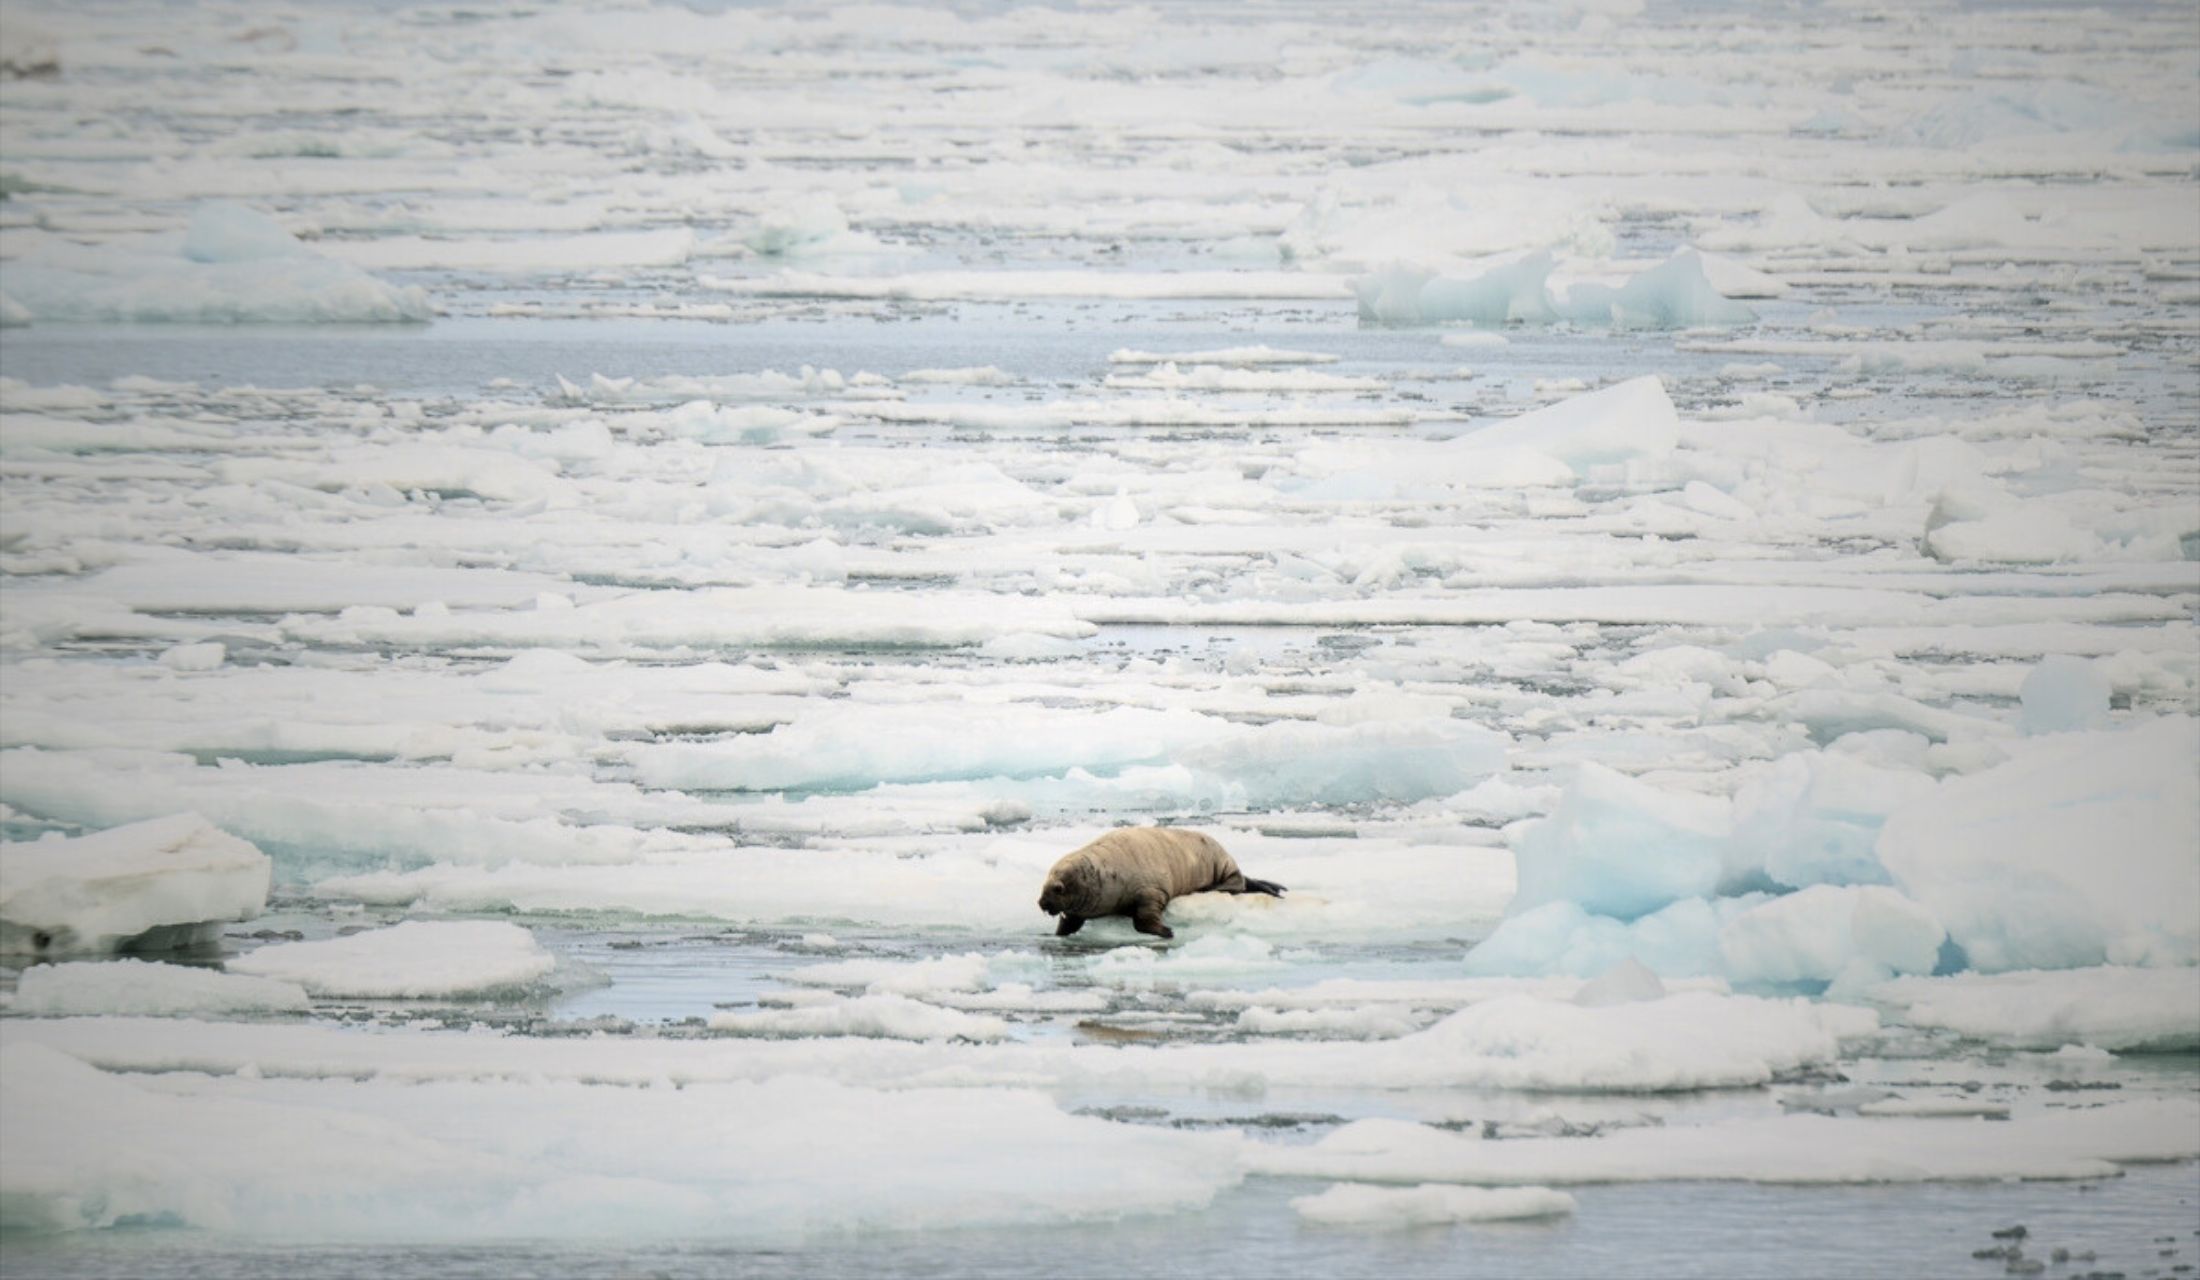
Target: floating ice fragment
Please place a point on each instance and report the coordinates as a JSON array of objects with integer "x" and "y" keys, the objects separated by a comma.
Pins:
[
  {"x": 1821, "y": 932},
  {"x": 1802, "y": 1149},
  {"x": 810, "y": 225},
  {"x": 1430, "y": 1204},
  {"x": 205, "y": 656},
  {"x": 880, "y": 1016},
  {"x": 1254, "y": 355},
  {"x": 224, "y": 231},
  {"x": 1675, "y": 294},
  {"x": 235, "y": 266},
  {"x": 1622, "y": 848},
  {"x": 166, "y": 883},
  {"x": 520, "y": 1157},
  {"x": 2064, "y": 694},
  {"x": 2078, "y": 851},
  {"x": 136, "y": 987},
  {"x": 1405, "y": 294},
  {"x": 1629, "y": 420},
  {"x": 2108, "y": 1008},
  {"x": 413, "y": 960},
  {"x": 1813, "y": 817}
]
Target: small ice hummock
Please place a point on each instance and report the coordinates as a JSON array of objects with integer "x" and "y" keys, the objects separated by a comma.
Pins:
[
  {"x": 159, "y": 885},
  {"x": 422, "y": 960}
]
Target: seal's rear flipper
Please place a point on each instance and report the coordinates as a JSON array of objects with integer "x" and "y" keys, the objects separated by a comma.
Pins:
[{"x": 1269, "y": 887}]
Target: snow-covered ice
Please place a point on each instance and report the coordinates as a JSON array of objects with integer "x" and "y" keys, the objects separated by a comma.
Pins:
[
  {"x": 141, "y": 987},
  {"x": 1672, "y": 532},
  {"x": 153, "y": 885},
  {"x": 1350, "y": 1205},
  {"x": 416, "y": 959}
]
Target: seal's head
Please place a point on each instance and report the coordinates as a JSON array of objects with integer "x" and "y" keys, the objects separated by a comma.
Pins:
[{"x": 1066, "y": 888}]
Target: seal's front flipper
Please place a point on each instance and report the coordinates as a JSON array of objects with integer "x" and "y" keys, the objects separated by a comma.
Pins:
[
  {"x": 1269, "y": 887},
  {"x": 1069, "y": 925}
]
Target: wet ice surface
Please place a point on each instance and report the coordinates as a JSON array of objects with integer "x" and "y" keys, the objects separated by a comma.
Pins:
[{"x": 883, "y": 450}]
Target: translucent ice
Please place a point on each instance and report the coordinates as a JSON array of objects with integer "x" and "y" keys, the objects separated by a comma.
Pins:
[
  {"x": 2063, "y": 694},
  {"x": 2107, "y": 1007},
  {"x": 1672, "y": 295},
  {"x": 144, "y": 988},
  {"x": 1621, "y": 848},
  {"x": 1824, "y": 931}
]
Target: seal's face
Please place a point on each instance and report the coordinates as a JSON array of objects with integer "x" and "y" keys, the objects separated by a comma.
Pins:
[{"x": 1064, "y": 890}]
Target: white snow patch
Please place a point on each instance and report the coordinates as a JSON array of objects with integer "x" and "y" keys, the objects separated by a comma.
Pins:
[
  {"x": 144, "y": 988},
  {"x": 889, "y": 1016},
  {"x": 2107, "y": 1007},
  {"x": 2076, "y": 852},
  {"x": 1431, "y": 1204},
  {"x": 413, "y": 960},
  {"x": 179, "y": 875}
]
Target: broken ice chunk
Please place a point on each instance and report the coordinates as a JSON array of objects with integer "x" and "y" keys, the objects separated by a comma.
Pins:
[{"x": 150, "y": 886}]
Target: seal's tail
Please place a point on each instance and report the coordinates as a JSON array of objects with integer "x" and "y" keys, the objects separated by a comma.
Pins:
[{"x": 1269, "y": 887}]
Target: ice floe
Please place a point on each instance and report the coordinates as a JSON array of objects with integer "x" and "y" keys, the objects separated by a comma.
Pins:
[
  {"x": 154, "y": 885},
  {"x": 2105, "y": 1007},
  {"x": 417, "y": 959},
  {"x": 1431, "y": 1204},
  {"x": 139, "y": 987},
  {"x": 771, "y": 1162},
  {"x": 234, "y": 265},
  {"x": 1791, "y": 1149}
]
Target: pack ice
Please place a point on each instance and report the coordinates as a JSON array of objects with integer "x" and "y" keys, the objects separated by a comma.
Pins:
[
  {"x": 2076, "y": 850},
  {"x": 232, "y": 265},
  {"x": 149, "y": 886}
]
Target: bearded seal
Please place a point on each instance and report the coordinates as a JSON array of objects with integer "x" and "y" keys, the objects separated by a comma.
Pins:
[{"x": 1134, "y": 871}]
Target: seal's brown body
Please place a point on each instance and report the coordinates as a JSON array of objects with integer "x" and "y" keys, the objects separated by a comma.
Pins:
[{"x": 1134, "y": 872}]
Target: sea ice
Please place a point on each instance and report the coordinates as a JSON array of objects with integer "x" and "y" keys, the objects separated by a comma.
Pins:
[
  {"x": 1619, "y": 847},
  {"x": 1799, "y": 1148},
  {"x": 2107, "y": 1007},
  {"x": 774, "y": 1162},
  {"x": 1825, "y": 931},
  {"x": 152, "y": 885},
  {"x": 2076, "y": 852},
  {"x": 1690, "y": 1040},
  {"x": 149, "y": 989},
  {"x": 1629, "y": 420},
  {"x": 890, "y": 1016},
  {"x": 2064, "y": 694},
  {"x": 1675, "y": 294},
  {"x": 1430, "y": 1204},
  {"x": 414, "y": 960},
  {"x": 235, "y": 265}
]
